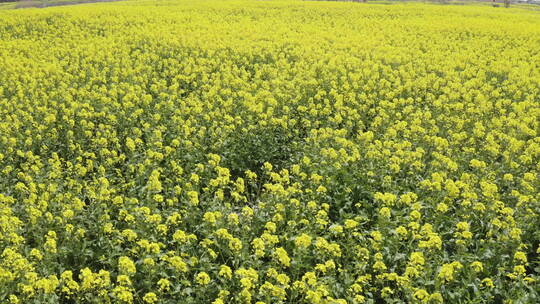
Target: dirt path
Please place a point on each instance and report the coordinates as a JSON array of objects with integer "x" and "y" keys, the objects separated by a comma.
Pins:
[{"x": 43, "y": 4}]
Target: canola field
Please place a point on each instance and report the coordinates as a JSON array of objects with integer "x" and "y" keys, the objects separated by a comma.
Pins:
[{"x": 269, "y": 152}]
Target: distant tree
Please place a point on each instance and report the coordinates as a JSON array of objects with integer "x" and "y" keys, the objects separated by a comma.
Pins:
[{"x": 507, "y": 3}]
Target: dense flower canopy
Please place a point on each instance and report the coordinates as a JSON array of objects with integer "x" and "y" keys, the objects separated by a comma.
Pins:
[{"x": 269, "y": 152}]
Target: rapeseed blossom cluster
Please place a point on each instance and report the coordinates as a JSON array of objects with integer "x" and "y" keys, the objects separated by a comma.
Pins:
[{"x": 269, "y": 152}]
